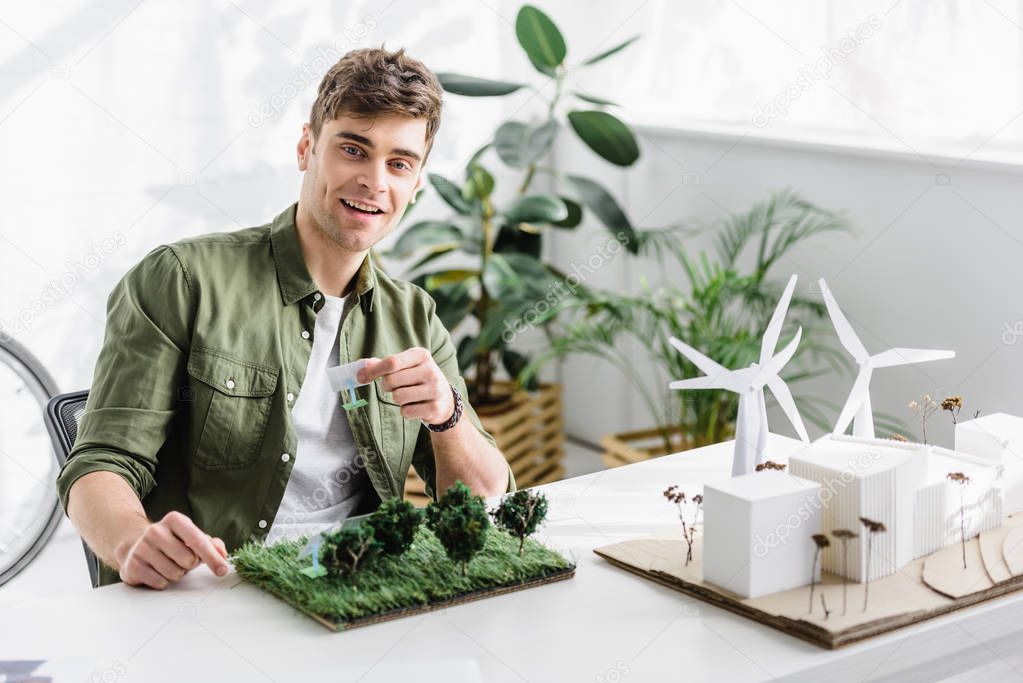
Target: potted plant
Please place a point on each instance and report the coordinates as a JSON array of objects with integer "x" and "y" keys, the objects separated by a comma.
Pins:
[
  {"x": 722, "y": 310},
  {"x": 500, "y": 238}
]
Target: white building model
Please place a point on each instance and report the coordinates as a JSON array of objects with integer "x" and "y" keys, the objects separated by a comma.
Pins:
[{"x": 837, "y": 480}]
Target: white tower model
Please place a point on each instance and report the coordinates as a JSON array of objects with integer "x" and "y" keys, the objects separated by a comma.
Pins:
[
  {"x": 858, "y": 404},
  {"x": 749, "y": 383}
]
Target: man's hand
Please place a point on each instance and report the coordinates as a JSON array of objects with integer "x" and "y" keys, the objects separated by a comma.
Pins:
[
  {"x": 416, "y": 382},
  {"x": 169, "y": 549}
]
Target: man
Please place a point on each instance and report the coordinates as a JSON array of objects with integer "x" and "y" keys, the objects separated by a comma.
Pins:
[{"x": 210, "y": 420}]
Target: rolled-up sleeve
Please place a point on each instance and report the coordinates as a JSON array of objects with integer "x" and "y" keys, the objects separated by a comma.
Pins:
[
  {"x": 138, "y": 376},
  {"x": 446, "y": 357}
]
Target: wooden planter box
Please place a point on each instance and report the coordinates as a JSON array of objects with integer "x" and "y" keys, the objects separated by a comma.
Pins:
[
  {"x": 643, "y": 444},
  {"x": 529, "y": 430}
]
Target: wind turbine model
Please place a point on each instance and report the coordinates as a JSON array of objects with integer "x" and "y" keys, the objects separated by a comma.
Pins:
[
  {"x": 749, "y": 383},
  {"x": 858, "y": 404}
]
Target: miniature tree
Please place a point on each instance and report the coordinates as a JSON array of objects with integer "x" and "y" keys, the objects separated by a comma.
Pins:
[
  {"x": 872, "y": 527},
  {"x": 459, "y": 521},
  {"x": 953, "y": 404},
  {"x": 820, "y": 541},
  {"x": 770, "y": 465},
  {"x": 394, "y": 525},
  {"x": 520, "y": 514},
  {"x": 677, "y": 496},
  {"x": 963, "y": 481},
  {"x": 845, "y": 535},
  {"x": 350, "y": 550},
  {"x": 924, "y": 408}
]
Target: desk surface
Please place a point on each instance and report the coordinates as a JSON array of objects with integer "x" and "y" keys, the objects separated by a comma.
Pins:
[{"x": 603, "y": 625}]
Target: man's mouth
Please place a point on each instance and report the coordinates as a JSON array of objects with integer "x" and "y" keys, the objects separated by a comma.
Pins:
[{"x": 360, "y": 207}]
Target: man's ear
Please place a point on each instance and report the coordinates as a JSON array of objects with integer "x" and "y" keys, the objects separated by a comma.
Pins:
[
  {"x": 420, "y": 184},
  {"x": 306, "y": 144}
]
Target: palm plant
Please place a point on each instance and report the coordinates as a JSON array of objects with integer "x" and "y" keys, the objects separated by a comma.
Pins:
[
  {"x": 503, "y": 238},
  {"x": 723, "y": 311}
]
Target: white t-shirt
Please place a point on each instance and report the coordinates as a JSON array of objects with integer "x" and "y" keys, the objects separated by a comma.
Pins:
[{"x": 327, "y": 481}]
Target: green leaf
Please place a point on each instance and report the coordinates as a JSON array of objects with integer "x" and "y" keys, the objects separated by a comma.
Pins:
[
  {"x": 453, "y": 302},
  {"x": 606, "y": 135},
  {"x": 450, "y": 193},
  {"x": 575, "y": 215},
  {"x": 466, "y": 352},
  {"x": 593, "y": 100},
  {"x": 514, "y": 362},
  {"x": 511, "y": 240},
  {"x": 541, "y": 39},
  {"x": 519, "y": 145},
  {"x": 472, "y": 86},
  {"x": 536, "y": 208},
  {"x": 607, "y": 53},
  {"x": 432, "y": 234},
  {"x": 508, "y": 274},
  {"x": 449, "y": 277},
  {"x": 603, "y": 205},
  {"x": 480, "y": 183}
]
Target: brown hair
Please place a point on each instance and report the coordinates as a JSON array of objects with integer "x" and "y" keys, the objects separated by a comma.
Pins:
[{"x": 372, "y": 81}]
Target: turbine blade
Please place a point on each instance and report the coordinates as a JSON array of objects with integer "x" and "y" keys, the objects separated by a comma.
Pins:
[
  {"x": 699, "y": 383},
  {"x": 788, "y": 405},
  {"x": 773, "y": 331},
  {"x": 857, "y": 395},
  {"x": 775, "y": 364},
  {"x": 845, "y": 332},
  {"x": 898, "y": 356},
  {"x": 701, "y": 361}
]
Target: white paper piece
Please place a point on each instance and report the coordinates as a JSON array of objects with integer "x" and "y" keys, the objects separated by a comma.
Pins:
[
  {"x": 857, "y": 407},
  {"x": 343, "y": 376},
  {"x": 751, "y": 422}
]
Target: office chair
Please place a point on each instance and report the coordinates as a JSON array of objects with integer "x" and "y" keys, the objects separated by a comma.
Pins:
[{"x": 63, "y": 413}]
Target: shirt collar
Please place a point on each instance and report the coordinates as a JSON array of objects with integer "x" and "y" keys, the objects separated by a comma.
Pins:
[{"x": 292, "y": 273}]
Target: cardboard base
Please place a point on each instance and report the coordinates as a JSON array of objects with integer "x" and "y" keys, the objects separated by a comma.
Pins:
[{"x": 894, "y": 601}]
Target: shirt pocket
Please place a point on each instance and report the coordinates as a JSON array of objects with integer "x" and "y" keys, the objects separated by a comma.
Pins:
[
  {"x": 398, "y": 434},
  {"x": 238, "y": 396}
]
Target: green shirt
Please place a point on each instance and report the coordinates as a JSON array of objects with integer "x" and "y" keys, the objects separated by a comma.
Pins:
[{"x": 206, "y": 348}]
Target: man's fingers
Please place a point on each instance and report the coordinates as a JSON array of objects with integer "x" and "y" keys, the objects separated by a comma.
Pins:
[
  {"x": 420, "y": 392},
  {"x": 409, "y": 377},
  {"x": 398, "y": 361},
  {"x": 138, "y": 572},
  {"x": 164, "y": 565},
  {"x": 198, "y": 541},
  {"x": 220, "y": 546},
  {"x": 174, "y": 548}
]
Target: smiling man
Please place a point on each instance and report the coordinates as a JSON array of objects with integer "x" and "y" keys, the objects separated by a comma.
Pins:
[{"x": 211, "y": 421}]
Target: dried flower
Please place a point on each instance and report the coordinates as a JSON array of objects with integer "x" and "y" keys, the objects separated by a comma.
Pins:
[
  {"x": 953, "y": 404},
  {"x": 677, "y": 496},
  {"x": 873, "y": 527},
  {"x": 924, "y": 409},
  {"x": 845, "y": 535},
  {"x": 821, "y": 541},
  {"x": 961, "y": 479},
  {"x": 898, "y": 437},
  {"x": 770, "y": 465}
]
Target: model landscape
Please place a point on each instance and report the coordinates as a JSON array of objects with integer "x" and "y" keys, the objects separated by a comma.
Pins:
[
  {"x": 402, "y": 560},
  {"x": 854, "y": 535}
]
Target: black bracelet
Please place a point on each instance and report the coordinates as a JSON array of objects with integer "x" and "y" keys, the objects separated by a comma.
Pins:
[{"x": 455, "y": 416}]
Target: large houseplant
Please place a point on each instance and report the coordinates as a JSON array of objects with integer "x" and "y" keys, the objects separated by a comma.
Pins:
[
  {"x": 722, "y": 310},
  {"x": 501, "y": 237}
]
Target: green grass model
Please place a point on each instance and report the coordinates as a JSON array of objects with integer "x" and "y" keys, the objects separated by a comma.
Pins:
[{"x": 401, "y": 560}]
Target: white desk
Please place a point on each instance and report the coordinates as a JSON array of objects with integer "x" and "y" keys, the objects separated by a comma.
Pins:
[{"x": 603, "y": 625}]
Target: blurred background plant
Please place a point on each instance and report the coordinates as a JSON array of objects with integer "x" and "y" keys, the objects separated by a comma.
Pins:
[
  {"x": 502, "y": 238},
  {"x": 722, "y": 310}
]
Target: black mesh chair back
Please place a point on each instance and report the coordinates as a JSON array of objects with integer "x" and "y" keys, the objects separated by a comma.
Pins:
[{"x": 63, "y": 414}]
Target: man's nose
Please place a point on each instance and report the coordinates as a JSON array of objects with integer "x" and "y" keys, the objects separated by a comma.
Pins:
[{"x": 375, "y": 179}]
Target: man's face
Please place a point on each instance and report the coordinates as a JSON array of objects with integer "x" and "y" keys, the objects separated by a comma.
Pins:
[{"x": 360, "y": 174}]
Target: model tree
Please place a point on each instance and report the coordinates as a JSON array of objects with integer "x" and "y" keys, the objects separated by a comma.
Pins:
[
  {"x": 963, "y": 480},
  {"x": 820, "y": 542},
  {"x": 844, "y": 536},
  {"x": 520, "y": 514},
  {"x": 394, "y": 525},
  {"x": 675, "y": 495},
  {"x": 459, "y": 521},
  {"x": 350, "y": 550},
  {"x": 873, "y": 527}
]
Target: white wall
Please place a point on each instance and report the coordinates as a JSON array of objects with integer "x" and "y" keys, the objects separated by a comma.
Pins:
[{"x": 929, "y": 265}]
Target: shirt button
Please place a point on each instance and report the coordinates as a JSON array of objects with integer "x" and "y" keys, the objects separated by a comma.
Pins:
[
  {"x": 230, "y": 384},
  {"x": 285, "y": 457},
  {"x": 317, "y": 297},
  {"x": 305, "y": 334},
  {"x": 290, "y": 397},
  {"x": 262, "y": 524}
]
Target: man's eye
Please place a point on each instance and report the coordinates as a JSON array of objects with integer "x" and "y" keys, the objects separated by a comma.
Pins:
[
  {"x": 404, "y": 165},
  {"x": 350, "y": 149}
]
